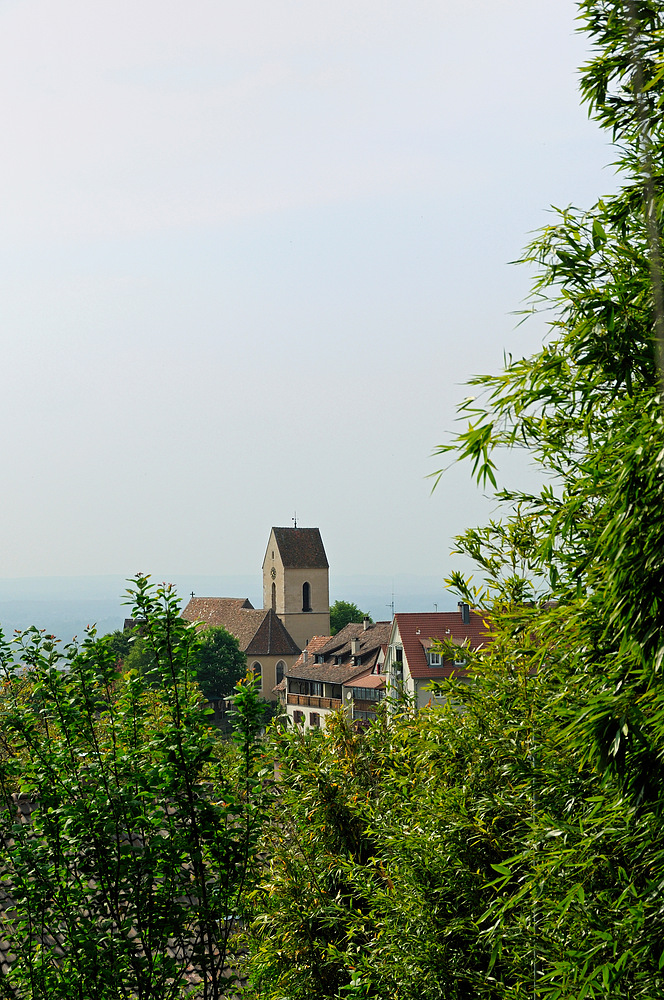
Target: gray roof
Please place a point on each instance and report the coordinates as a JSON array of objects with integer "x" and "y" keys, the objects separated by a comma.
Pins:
[{"x": 301, "y": 548}]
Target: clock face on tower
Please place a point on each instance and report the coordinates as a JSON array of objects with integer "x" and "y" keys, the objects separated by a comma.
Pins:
[{"x": 273, "y": 573}]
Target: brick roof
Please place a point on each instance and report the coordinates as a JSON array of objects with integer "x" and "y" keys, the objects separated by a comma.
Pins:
[
  {"x": 372, "y": 640},
  {"x": 315, "y": 644},
  {"x": 258, "y": 631},
  {"x": 301, "y": 548},
  {"x": 418, "y": 629},
  {"x": 272, "y": 638},
  {"x": 376, "y": 635}
]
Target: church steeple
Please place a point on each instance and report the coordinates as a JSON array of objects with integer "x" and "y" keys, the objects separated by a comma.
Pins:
[{"x": 296, "y": 582}]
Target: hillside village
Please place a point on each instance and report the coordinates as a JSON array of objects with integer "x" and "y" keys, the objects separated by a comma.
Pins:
[{"x": 311, "y": 673}]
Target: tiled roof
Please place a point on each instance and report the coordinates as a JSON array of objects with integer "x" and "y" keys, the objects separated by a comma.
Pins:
[
  {"x": 314, "y": 645},
  {"x": 301, "y": 548},
  {"x": 186, "y": 953},
  {"x": 333, "y": 673},
  {"x": 368, "y": 681},
  {"x": 258, "y": 631},
  {"x": 416, "y": 631},
  {"x": 372, "y": 640},
  {"x": 272, "y": 638}
]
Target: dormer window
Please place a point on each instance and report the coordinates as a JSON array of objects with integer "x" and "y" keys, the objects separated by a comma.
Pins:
[{"x": 435, "y": 659}]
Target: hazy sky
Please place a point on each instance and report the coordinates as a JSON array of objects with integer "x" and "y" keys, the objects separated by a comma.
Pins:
[{"x": 249, "y": 253}]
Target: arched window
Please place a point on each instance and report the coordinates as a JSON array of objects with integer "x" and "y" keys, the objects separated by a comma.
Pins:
[
  {"x": 274, "y": 597},
  {"x": 258, "y": 673},
  {"x": 306, "y": 597},
  {"x": 281, "y": 667}
]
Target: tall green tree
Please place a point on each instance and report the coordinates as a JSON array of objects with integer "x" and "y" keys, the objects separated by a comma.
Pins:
[
  {"x": 127, "y": 875},
  {"x": 589, "y": 546},
  {"x": 342, "y": 613},
  {"x": 219, "y": 662}
]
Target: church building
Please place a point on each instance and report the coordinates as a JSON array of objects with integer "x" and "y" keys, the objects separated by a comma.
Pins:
[{"x": 296, "y": 606}]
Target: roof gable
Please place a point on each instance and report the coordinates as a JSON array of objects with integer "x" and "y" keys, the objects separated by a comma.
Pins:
[
  {"x": 272, "y": 638},
  {"x": 300, "y": 548},
  {"x": 417, "y": 630},
  {"x": 339, "y": 662},
  {"x": 259, "y": 632}
]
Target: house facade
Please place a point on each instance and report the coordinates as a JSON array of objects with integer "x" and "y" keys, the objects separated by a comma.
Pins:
[
  {"x": 414, "y": 659},
  {"x": 333, "y": 672}
]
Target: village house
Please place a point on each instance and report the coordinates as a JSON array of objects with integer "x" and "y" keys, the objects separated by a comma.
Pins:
[
  {"x": 414, "y": 658},
  {"x": 344, "y": 670}
]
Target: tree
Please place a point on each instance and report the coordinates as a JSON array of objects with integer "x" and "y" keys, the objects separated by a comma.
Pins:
[
  {"x": 131, "y": 867},
  {"x": 219, "y": 662},
  {"x": 588, "y": 549},
  {"x": 342, "y": 613},
  {"x": 119, "y": 643}
]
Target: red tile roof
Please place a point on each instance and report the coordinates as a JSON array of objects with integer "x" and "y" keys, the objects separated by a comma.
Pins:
[
  {"x": 416, "y": 631},
  {"x": 313, "y": 646}
]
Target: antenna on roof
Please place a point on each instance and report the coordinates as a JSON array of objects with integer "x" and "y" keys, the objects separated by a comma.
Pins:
[
  {"x": 391, "y": 605},
  {"x": 294, "y": 520},
  {"x": 436, "y": 607},
  {"x": 192, "y": 594}
]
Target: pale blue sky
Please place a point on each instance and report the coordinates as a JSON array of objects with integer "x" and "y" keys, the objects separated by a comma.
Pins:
[{"x": 250, "y": 252}]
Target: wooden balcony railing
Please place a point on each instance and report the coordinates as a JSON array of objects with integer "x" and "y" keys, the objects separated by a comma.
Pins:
[{"x": 313, "y": 701}]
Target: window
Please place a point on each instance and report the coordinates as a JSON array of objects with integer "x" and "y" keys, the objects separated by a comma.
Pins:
[
  {"x": 298, "y": 718},
  {"x": 434, "y": 659},
  {"x": 368, "y": 694},
  {"x": 306, "y": 597},
  {"x": 258, "y": 674},
  {"x": 317, "y": 688},
  {"x": 314, "y": 720},
  {"x": 281, "y": 667},
  {"x": 274, "y": 597}
]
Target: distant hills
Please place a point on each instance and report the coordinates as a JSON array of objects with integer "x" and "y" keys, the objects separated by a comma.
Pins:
[{"x": 64, "y": 606}]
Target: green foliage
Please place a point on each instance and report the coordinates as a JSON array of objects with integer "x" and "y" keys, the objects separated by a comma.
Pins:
[
  {"x": 215, "y": 659},
  {"x": 342, "y": 613},
  {"x": 219, "y": 662},
  {"x": 119, "y": 643},
  {"x": 130, "y": 874}
]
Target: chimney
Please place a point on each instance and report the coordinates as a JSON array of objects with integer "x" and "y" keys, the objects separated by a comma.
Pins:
[
  {"x": 366, "y": 621},
  {"x": 465, "y": 612},
  {"x": 305, "y": 656},
  {"x": 354, "y": 647}
]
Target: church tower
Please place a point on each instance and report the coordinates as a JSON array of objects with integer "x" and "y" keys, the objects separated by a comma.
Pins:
[{"x": 296, "y": 582}]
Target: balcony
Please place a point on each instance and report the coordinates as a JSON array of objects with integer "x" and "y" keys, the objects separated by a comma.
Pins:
[{"x": 314, "y": 701}]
